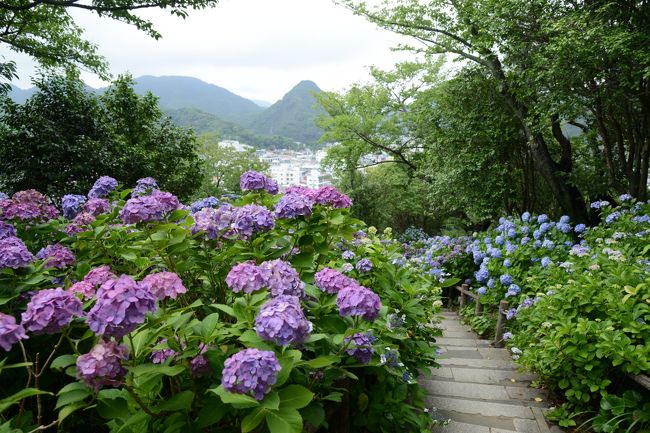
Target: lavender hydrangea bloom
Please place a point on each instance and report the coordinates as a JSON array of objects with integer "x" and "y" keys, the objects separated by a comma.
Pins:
[
  {"x": 97, "y": 206},
  {"x": 56, "y": 256},
  {"x": 200, "y": 366},
  {"x": 625, "y": 197},
  {"x": 507, "y": 336},
  {"x": 246, "y": 277},
  {"x": 99, "y": 275},
  {"x": 348, "y": 255},
  {"x": 121, "y": 306},
  {"x": 490, "y": 283},
  {"x": 282, "y": 321},
  {"x": 10, "y": 333},
  {"x": 525, "y": 217},
  {"x": 358, "y": 301},
  {"x": 599, "y": 204},
  {"x": 579, "y": 228},
  {"x": 103, "y": 365},
  {"x": 282, "y": 278},
  {"x": 161, "y": 355},
  {"x": 86, "y": 289},
  {"x": 482, "y": 275},
  {"x": 141, "y": 209},
  {"x": 542, "y": 218},
  {"x": 214, "y": 222},
  {"x": 612, "y": 217},
  {"x": 3, "y": 196},
  {"x": 482, "y": 290},
  {"x": 293, "y": 205},
  {"x": 507, "y": 263},
  {"x": 505, "y": 279},
  {"x": 364, "y": 266},
  {"x": 7, "y": 230},
  {"x": 79, "y": 223},
  {"x": 203, "y": 203},
  {"x": 14, "y": 253},
  {"x": 525, "y": 240},
  {"x": 563, "y": 227},
  {"x": 513, "y": 290},
  {"x": 168, "y": 201},
  {"x": 271, "y": 186},
  {"x": 27, "y": 206},
  {"x": 252, "y": 181},
  {"x": 250, "y": 372},
  {"x": 330, "y": 196},
  {"x": 360, "y": 346},
  {"x": 546, "y": 262},
  {"x": 72, "y": 205},
  {"x": 50, "y": 310},
  {"x": 511, "y": 313},
  {"x": 144, "y": 186},
  {"x": 347, "y": 267},
  {"x": 102, "y": 187},
  {"x": 332, "y": 281},
  {"x": 163, "y": 285},
  {"x": 251, "y": 219}
]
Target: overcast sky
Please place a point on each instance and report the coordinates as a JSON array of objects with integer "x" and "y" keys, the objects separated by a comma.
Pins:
[{"x": 256, "y": 48}]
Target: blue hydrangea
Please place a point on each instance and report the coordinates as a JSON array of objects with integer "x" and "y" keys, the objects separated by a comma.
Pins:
[
  {"x": 513, "y": 290},
  {"x": 490, "y": 283},
  {"x": 546, "y": 262},
  {"x": 563, "y": 227},
  {"x": 512, "y": 233},
  {"x": 498, "y": 240},
  {"x": 612, "y": 217},
  {"x": 205, "y": 202},
  {"x": 564, "y": 219},
  {"x": 482, "y": 290},
  {"x": 625, "y": 197},
  {"x": 482, "y": 275},
  {"x": 525, "y": 217},
  {"x": 510, "y": 248},
  {"x": 548, "y": 244},
  {"x": 544, "y": 227},
  {"x": 72, "y": 204},
  {"x": 537, "y": 234},
  {"x": 507, "y": 263},
  {"x": 542, "y": 218},
  {"x": 525, "y": 240},
  {"x": 505, "y": 279}
]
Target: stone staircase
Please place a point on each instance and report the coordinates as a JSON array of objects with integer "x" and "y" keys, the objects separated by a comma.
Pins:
[{"x": 479, "y": 388}]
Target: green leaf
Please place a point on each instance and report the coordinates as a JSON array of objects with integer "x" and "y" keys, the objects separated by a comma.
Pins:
[
  {"x": 303, "y": 260},
  {"x": 63, "y": 361},
  {"x": 181, "y": 401},
  {"x": 113, "y": 408},
  {"x": 212, "y": 412},
  {"x": 239, "y": 401},
  {"x": 68, "y": 410},
  {"x": 284, "y": 421},
  {"x": 314, "y": 414},
  {"x": 72, "y": 396},
  {"x": 295, "y": 397},
  {"x": 323, "y": 361},
  {"x": 271, "y": 401},
  {"x": 253, "y": 419},
  {"x": 6, "y": 403},
  {"x": 334, "y": 396}
]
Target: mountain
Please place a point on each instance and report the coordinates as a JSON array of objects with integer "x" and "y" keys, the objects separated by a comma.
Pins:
[
  {"x": 19, "y": 96},
  {"x": 263, "y": 104},
  {"x": 293, "y": 116},
  {"x": 180, "y": 92}
]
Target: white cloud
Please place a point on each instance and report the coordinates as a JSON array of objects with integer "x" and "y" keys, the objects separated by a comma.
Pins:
[{"x": 256, "y": 48}]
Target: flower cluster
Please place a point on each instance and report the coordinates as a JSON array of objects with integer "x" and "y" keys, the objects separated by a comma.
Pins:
[
  {"x": 364, "y": 266},
  {"x": 282, "y": 278},
  {"x": 214, "y": 223},
  {"x": 246, "y": 277},
  {"x": 330, "y": 196},
  {"x": 102, "y": 187},
  {"x": 7, "y": 230},
  {"x": 163, "y": 285},
  {"x": 144, "y": 186},
  {"x": 10, "y": 332},
  {"x": 97, "y": 206},
  {"x": 282, "y": 321},
  {"x": 14, "y": 253},
  {"x": 103, "y": 365},
  {"x": 251, "y": 219},
  {"x": 251, "y": 371},
  {"x": 256, "y": 181},
  {"x": 56, "y": 256},
  {"x": 147, "y": 208},
  {"x": 198, "y": 205},
  {"x": 121, "y": 306},
  {"x": 48, "y": 311},
  {"x": 29, "y": 205},
  {"x": 72, "y": 204},
  {"x": 358, "y": 301},
  {"x": 359, "y": 345},
  {"x": 294, "y": 204},
  {"x": 332, "y": 281}
]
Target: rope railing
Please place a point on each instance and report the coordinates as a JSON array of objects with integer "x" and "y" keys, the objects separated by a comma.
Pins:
[{"x": 465, "y": 293}]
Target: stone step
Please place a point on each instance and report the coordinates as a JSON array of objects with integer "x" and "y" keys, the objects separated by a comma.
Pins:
[
  {"x": 458, "y": 334},
  {"x": 461, "y": 427},
  {"x": 462, "y": 423},
  {"x": 484, "y": 375},
  {"x": 462, "y": 342},
  {"x": 479, "y": 407},
  {"x": 495, "y": 364},
  {"x": 467, "y": 353},
  {"x": 450, "y": 388},
  {"x": 494, "y": 353}
]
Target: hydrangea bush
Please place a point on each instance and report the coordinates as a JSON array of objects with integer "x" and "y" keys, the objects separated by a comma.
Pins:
[{"x": 131, "y": 312}]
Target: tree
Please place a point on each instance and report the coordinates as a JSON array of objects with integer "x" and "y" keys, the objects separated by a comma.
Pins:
[
  {"x": 553, "y": 62},
  {"x": 45, "y": 30},
  {"x": 223, "y": 167},
  {"x": 64, "y": 137}
]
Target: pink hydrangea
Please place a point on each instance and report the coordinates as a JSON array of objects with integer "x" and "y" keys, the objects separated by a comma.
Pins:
[
  {"x": 163, "y": 285},
  {"x": 246, "y": 277},
  {"x": 103, "y": 365}
]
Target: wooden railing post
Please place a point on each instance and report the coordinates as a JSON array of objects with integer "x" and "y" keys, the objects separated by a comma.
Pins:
[
  {"x": 501, "y": 324},
  {"x": 479, "y": 307},
  {"x": 463, "y": 296}
]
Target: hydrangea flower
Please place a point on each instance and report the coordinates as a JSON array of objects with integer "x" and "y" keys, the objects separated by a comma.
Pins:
[
  {"x": 546, "y": 262},
  {"x": 330, "y": 196},
  {"x": 498, "y": 240},
  {"x": 102, "y": 187},
  {"x": 50, "y": 310},
  {"x": 282, "y": 321},
  {"x": 10, "y": 332},
  {"x": 246, "y": 277},
  {"x": 14, "y": 253},
  {"x": 161, "y": 355},
  {"x": 612, "y": 217},
  {"x": 348, "y": 255},
  {"x": 332, "y": 281},
  {"x": 347, "y": 267},
  {"x": 542, "y": 218},
  {"x": 3, "y": 196},
  {"x": 200, "y": 366},
  {"x": 97, "y": 206},
  {"x": 292, "y": 205},
  {"x": 599, "y": 204},
  {"x": 482, "y": 290},
  {"x": 360, "y": 346},
  {"x": 213, "y": 222},
  {"x": 102, "y": 366},
  {"x": 482, "y": 275},
  {"x": 56, "y": 256},
  {"x": 28, "y": 205},
  {"x": 490, "y": 283},
  {"x": 7, "y": 230},
  {"x": 513, "y": 290},
  {"x": 548, "y": 244},
  {"x": 251, "y": 219},
  {"x": 79, "y": 223},
  {"x": 86, "y": 289},
  {"x": 144, "y": 186},
  {"x": 99, "y": 275},
  {"x": 579, "y": 228},
  {"x": 251, "y": 372},
  {"x": 72, "y": 204},
  {"x": 252, "y": 181},
  {"x": 121, "y": 306},
  {"x": 511, "y": 313},
  {"x": 507, "y": 263},
  {"x": 163, "y": 285},
  {"x": 625, "y": 197},
  {"x": 512, "y": 233},
  {"x": 211, "y": 202},
  {"x": 167, "y": 201},
  {"x": 358, "y": 301},
  {"x": 141, "y": 209},
  {"x": 505, "y": 279},
  {"x": 364, "y": 266},
  {"x": 507, "y": 336},
  {"x": 282, "y": 278}
]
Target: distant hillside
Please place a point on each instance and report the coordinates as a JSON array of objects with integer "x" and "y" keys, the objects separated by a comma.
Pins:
[
  {"x": 19, "y": 96},
  {"x": 206, "y": 123},
  {"x": 293, "y": 116},
  {"x": 180, "y": 92}
]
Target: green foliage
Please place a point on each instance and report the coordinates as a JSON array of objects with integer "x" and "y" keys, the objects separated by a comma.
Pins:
[{"x": 63, "y": 137}]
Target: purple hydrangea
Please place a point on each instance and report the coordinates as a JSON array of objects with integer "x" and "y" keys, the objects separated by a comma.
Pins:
[
  {"x": 282, "y": 278},
  {"x": 364, "y": 266},
  {"x": 72, "y": 205},
  {"x": 161, "y": 355},
  {"x": 282, "y": 321},
  {"x": 144, "y": 186},
  {"x": 347, "y": 267},
  {"x": 200, "y": 366},
  {"x": 251, "y": 219},
  {"x": 168, "y": 201},
  {"x": 542, "y": 218},
  {"x": 358, "y": 301},
  {"x": 14, "y": 253},
  {"x": 97, "y": 206},
  {"x": 599, "y": 204},
  {"x": 579, "y": 228},
  {"x": 163, "y": 285},
  {"x": 256, "y": 181},
  {"x": 142, "y": 209},
  {"x": 102, "y": 366},
  {"x": 213, "y": 222},
  {"x": 56, "y": 256},
  {"x": 10, "y": 332},
  {"x": 332, "y": 281},
  {"x": 7, "y": 230},
  {"x": 251, "y": 372},
  {"x": 50, "y": 310},
  {"x": 102, "y": 187},
  {"x": 507, "y": 336},
  {"x": 246, "y": 277},
  {"x": 292, "y": 205},
  {"x": 348, "y": 255},
  {"x": 330, "y": 196},
  {"x": 360, "y": 346},
  {"x": 211, "y": 202},
  {"x": 511, "y": 313},
  {"x": 612, "y": 217},
  {"x": 121, "y": 306},
  {"x": 271, "y": 186},
  {"x": 28, "y": 205},
  {"x": 79, "y": 223},
  {"x": 99, "y": 275}
]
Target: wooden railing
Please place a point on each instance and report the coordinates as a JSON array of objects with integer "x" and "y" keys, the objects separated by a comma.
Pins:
[{"x": 464, "y": 293}]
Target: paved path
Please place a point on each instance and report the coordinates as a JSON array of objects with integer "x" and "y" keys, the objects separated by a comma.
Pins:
[{"x": 479, "y": 388}]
